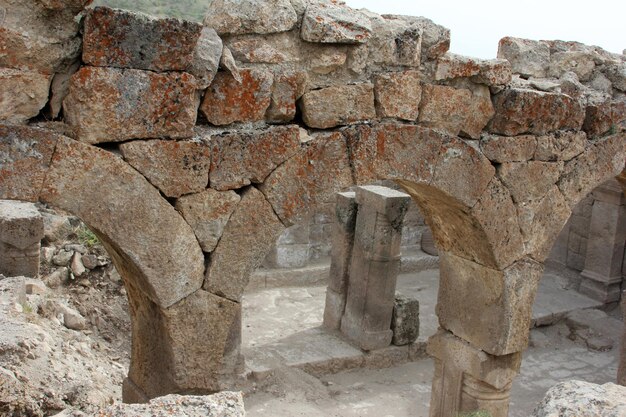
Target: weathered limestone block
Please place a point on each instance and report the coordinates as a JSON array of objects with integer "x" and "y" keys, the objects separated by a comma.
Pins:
[
  {"x": 395, "y": 40},
  {"x": 222, "y": 404},
  {"x": 25, "y": 156},
  {"x": 582, "y": 399},
  {"x": 580, "y": 63},
  {"x": 600, "y": 161},
  {"x": 462, "y": 171},
  {"x": 239, "y": 17},
  {"x": 531, "y": 180},
  {"x": 190, "y": 347},
  {"x": 229, "y": 100},
  {"x": 501, "y": 149},
  {"x": 338, "y": 105},
  {"x": 405, "y": 323},
  {"x": 206, "y": 57},
  {"x": 40, "y": 35},
  {"x": 602, "y": 117},
  {"x": 327, "y": 60},
  {"x": 113, "y": 105},
  {"x": 258, "y": 51},
  {"x": 374, "y": 266},
  {"x": 248, "y": 236},
  {"x": 22, "y": 94},
  {"x": 602, "y": 276},
  {"x": 398, "y": 95},
  {"x": 334, "y": 23},
  {"x": 130, "y": 218},
  {"x": 489, "y": 72},
  {"x": 616, "y": 72},
  {"x": 21, "y": 231},
  {"x": 541, "y": 221},
  {"x": 243, "y": 158},
  {"x": 527, "y": 57},
  {"x": 479, "y": 111},
  {"x": 388, "y": 150},
  {"x": 560, "y": 146},
  {"x": 527, "y": 111},
  {"x": 412, "y": 32},
  {"x": 444, "y": 108},
  {"x": 468, "y": 379},
  {"x": 207, "y": 213},
  {"x": 341, "y": 254},
  {"x": 175, "y": 168},
  {"x": 123, "y": 39},
  {"x": 309, "y": 178},
  {"x": 497, "y": 214},
  {"x": 288, "y": 88},
  {"x": 489, "y": 308}
]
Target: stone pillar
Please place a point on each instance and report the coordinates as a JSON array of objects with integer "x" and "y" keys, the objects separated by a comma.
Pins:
[
  {"x": 21, "y": 231},
  {"x": 602, "y": 276},
  {"x": 467, "y": 379},
  {"x": 374, "y": 266},
  {"x": 341, "y": 254},
  {"x": 621, "y": 372}
]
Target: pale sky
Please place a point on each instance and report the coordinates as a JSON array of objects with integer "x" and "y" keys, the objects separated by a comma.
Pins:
[{"x": 478, "y": 25}]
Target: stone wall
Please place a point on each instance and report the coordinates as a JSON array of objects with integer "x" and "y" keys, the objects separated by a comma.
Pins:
[{"x": 189, "y": 148}]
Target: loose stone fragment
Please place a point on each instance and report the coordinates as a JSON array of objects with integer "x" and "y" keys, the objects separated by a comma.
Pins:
[
  {"x": 123, "y": 39},
  {"x": 206, "y": 57},
  {"x": 207, "y": 213},
  {"x": 228, "y": 100},
  {"x": 288, "y": 87},
  {"x": 521, "y": 111},
  {"x": 582, "y": 399},
  {"x": 175, "y": 168},
  {"x": 339, "y": 105},
  {"x": 396, "y": 40},
  {"x": 398, "y": 95},
  {"x": 334, "y": 23},
  {"x": 405, "y": 323},
  {"x": 22, "y": 94},
  {"x": 616, "y": 72},
  {"x": 527, "y": 57},
  {"x": 21, "y": 230},
  {"x": 113, "y": 105},
  {"x": 239, "y": 17},
  {"x": 242, "y": 158},
  {"x": 508, "y": 149}
]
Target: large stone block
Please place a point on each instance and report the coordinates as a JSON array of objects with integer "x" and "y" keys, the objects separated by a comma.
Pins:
[
  {"x": 398, "y": 95},
  {"x": 521, "y": 111},
  {"x": 582, "y": 399},
  {"x": 175, "y": 168},
  {"x": 529, "y": 181},
  {"x": 248, "y": 236},
  {"x": 490, "y": 72},
  {"x": 395, "y": 40},
  {"x": 23, "y": 94},
  {"x": 334, "y": 23},
  {"x": 309, "y": 178},
  {"x": 207, "y": 213},
  {"x": 405, "y": 322},
  {"x": 501, "y": 149},
  {"x": 338, "y": 105},
  {"x": 246, "y": 99},
  {"x": 25, "y": 156},
  {"x": 497, "y": 215},
  {"x": 527, "y": 57},
  {"x": 123, "y": 39},
  {"x": 560, "y": 146},
  {"x": 242, "y": 158},
  {"x": 489, "y": 308},
  {"x": 600, "y": 161},
  {"x": 444, "y": 108},
  {"x": 113, "y": 105},
  {"x": 388, "y": 151},
  {"x": 238, "y": 17},
  {"x": 541, "y": 221},
  {"x": 21, "y": 230},
  {"x": 131, "y": 219},
  {"x": 603, "y": 117},
  {"x": 580, "y": 63}
]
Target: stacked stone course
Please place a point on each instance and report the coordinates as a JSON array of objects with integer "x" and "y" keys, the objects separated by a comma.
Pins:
[{"x": 357, "y": 98}]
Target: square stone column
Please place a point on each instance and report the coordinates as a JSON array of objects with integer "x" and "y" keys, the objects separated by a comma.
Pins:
[
  {"x": 602, "y": 276},
  {"x": 374, "y": 266},
  {"x": 341, "y": 254},
  {"x": 21, "y": 231},
  {"x": 621, "y": 371},
  {"x": 467, "y": 379}
]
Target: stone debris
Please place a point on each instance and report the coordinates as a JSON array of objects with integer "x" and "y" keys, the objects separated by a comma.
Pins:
[
  {"x": 405, "y": 323},
  {"x": 583, "y": 399}
]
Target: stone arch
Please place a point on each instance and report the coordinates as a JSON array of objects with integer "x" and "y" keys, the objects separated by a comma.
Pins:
[{"x": 152, "y": 247}]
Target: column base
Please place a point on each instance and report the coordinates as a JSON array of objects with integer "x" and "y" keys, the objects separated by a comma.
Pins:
[
  {"x": 333, "y": 309},
  {"x": 604, "y": 289},
  {"x": 365, "y": 340},
  {"x": 132, "y": 394}
]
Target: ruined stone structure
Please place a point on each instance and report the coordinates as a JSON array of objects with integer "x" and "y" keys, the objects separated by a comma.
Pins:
[{"x": 188, "y": 172}]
